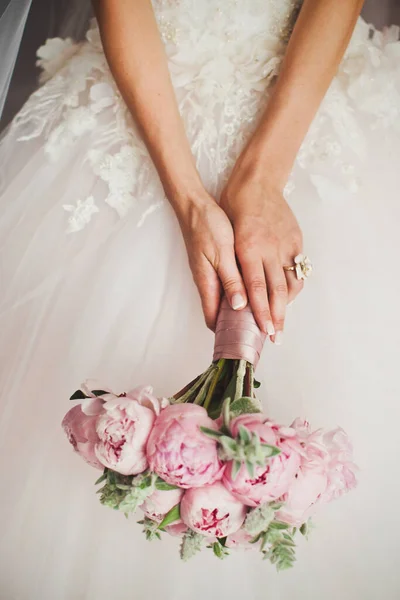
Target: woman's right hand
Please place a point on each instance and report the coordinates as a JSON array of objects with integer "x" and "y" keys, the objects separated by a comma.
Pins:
[{"x": 209, "y": 240}]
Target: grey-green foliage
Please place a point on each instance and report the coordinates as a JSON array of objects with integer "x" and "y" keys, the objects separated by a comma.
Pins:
[
  {"x": 125, "y": 492},
  {"x": 191, "y": 544}
]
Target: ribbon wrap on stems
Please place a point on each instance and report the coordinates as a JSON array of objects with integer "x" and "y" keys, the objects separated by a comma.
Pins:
[{"x": 237, "y": 335}]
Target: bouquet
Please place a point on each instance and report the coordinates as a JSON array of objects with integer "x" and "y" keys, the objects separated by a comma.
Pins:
[{"x": 207, "y": 465}]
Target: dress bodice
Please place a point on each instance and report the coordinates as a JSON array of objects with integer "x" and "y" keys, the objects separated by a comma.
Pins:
[
  {"x": 223, "y": 56},
  {"x": 211, "y": 26}
]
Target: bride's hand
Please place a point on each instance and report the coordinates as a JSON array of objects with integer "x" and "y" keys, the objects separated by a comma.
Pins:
[
  {"x": 267, "y": 236},
  {"x": 208, "y": 236}
]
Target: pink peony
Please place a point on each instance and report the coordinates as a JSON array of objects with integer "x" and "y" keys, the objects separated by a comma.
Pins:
[
  {"x": 301, "y": 501},
  {"x": 241, "y": 539},
  {"x": 80, "y": 426},
  {"x": 156, "y": 506},
  {"x": 326, "y": 472},
  {"x": 212, "y": 511},
  {"x": 273, "y": 480},
  {"x": 330, "y": 452},
  {"x": 176, "y": 529},
  {"x": 341, "y": 468},
  {"x": 179, "y": 452},
  {"x": 124, "y": 429}
]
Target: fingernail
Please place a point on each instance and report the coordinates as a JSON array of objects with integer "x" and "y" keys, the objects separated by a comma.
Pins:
[
  {"x": 238, "y": 301},
  {"x": 291, "y": 303},
  {"x": 270, "y": 328},
  {"x": 279, "y": 338}
]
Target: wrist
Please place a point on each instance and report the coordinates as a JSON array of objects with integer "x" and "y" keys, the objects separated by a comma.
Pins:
[
  {"x": 263, "y": 162},
  {"x": 189, "y": 203}
]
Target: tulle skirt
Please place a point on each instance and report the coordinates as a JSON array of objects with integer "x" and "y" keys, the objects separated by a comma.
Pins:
[{"x": 112, "y": 298}]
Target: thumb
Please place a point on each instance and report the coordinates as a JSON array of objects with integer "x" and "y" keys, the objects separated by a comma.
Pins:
[{"x": 231, "y": 280}]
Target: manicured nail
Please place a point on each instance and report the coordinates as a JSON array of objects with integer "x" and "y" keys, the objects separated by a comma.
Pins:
[
  {"x": 270, "y": 328},
  {"x": 279, "y": 338},
  {"x": 291, "y": 303},
  {"x": 238, "y": 301}
]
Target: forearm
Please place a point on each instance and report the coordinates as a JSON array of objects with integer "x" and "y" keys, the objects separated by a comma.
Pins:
[
  {"x": 138, "y": 62},
  {"x": 316, "y": 47}
]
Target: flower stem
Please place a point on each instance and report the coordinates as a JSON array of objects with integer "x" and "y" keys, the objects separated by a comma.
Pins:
[
  {"x": 193, "y": 389},
  {"x": 240, "y": 375},
  {"x": 219, "y": 367},
  {"x": 249, "y": 381}
]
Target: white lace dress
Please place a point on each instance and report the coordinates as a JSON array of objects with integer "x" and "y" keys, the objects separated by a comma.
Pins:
[{"x": 95, "y": 283}]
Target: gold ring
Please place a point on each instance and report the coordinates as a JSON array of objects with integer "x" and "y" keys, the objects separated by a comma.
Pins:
[{"x": 302, "y": 266}]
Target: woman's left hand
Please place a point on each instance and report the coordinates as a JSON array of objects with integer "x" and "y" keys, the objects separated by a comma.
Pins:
[{"x": 267, "y": 236}]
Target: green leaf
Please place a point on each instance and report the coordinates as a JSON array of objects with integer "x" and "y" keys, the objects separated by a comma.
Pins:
[
  {"x": 236, "y": 468},
  {"x": 244, "y": 434},
  {"x": 279, "y": 525},
  {"x": 258, "y": 519},
  {"x": 192, "y": 543},
  {"x": 273, "y": 450},
  {"x": 150, "y": 529},
  {"x": 228, "y": 443},
  {"x": 173, "y": 515},
  {"x": 257, "y": 384},
  {"x": 78, "y": 395},
  {"x": 250, "y": 469},
  {"x": 281, "y": 551},
  {"x": 230, "y": 390},
  {"x": 164, "y": 486},
  {"x": 264, "y": 541},
  {"x": 276, "y": 505},
  {"x": 244, "y": 406},
  {"x": 217, "y": 549},
  {"x": 102, "y": 478},
  {"x": 222, "y": 541},
  {"x": 226, "y": 413},
  {"x": 303, "y": 529},
  {"x": 212, "y": 433},
  {"x": 99, "y": 392}
]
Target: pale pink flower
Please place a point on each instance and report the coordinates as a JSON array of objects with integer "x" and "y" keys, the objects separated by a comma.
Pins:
[
  {"x": 212, "y": 511},
  {"x": 176, "y": 529},
  {"x": 179, "y": 452},
  {"x": 341, "y": 468},
  {"x": 327, "y": 471},
  {"x": 330, "y": 452},
  {"x": 124, "y": 429},
  {"x": 301, "y": 501},
  {"x": 241, "y": 539},
  {"x": 274, "y": 479},
  {"x": 156, "y": 506},
  {"x": 81, "y": 431}
]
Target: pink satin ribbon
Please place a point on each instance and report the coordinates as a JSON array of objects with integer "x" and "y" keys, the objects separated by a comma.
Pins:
[{"x": 237, "y": 335}]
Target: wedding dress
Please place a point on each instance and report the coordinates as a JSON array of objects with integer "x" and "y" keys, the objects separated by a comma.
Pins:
[{"x": 95, "y": 283}]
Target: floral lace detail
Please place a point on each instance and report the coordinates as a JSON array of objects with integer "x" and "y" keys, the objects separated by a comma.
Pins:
[
  {"x": 223, "y": 58},
  {"x": 81, "y": 214},
  {"x": 367, "y": 85}
]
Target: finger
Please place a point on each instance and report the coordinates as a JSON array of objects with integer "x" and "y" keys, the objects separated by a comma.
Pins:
[
  {"x": 209, "y": 287},
  {"x": 254, "y": 279},
  {"x": 294, "y": 285},
  {"x": 278, "y": 295},
  {"x": 231, "y": 279}
]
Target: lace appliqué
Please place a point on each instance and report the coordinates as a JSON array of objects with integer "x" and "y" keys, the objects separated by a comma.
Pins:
[
  {"x": 222, "y": 70},
  {"x": 367, "y": 85},
  {"x": 80, "y": 214}
]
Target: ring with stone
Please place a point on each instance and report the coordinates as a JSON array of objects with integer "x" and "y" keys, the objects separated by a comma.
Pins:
[{"x": 302, "y": 266}]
